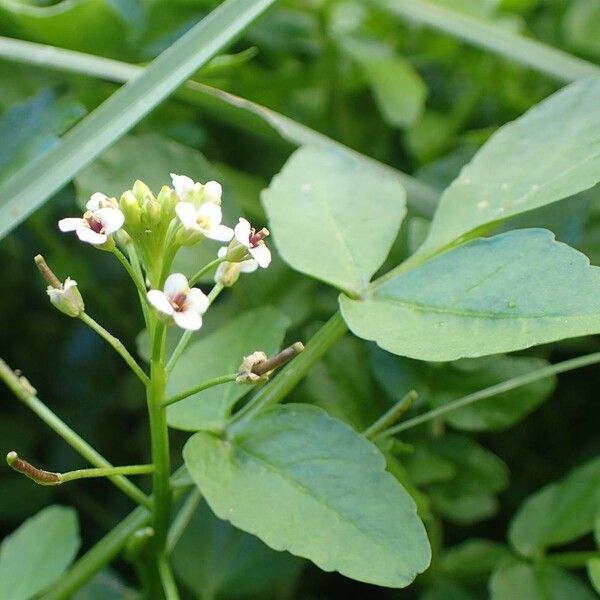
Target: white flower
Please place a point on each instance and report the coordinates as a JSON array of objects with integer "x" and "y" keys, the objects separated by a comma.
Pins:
[
  {"x": 205, "y": 220},
  {"x": 101, "y": 218},
  {"x": 188, "y": 190},
  {"x": 183, "y": 304},
  {"x": 254, "y": 241},
  {"x": 229, "y": 272}
]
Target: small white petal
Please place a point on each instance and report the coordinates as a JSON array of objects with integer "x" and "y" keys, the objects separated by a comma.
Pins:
[
  {"x": 176, "y": 284},
  {"x": 242, "y": 232},
  {"x": 96, "y": 200},
  {"x": 160, "y": 301},
  {"x": 197, "y": 301},
  {"x": 248, "y": 266},
  {"x": 187, "y": 215},
  {"x": 221, "y": 233},
  {"x": 182, "y": 184},
  {"x": 112, "y": 219},
  {"x": 188, "y": 319},
  {"x": 69, "y": 224},
  {"x": 69, "y": 283},
  {"x": 222, "y": 252},
  {"x": 85, "y": 234},
  {"x": 211, "y": 213},
  {"x": 262, "y": 255},
  {"x": 213, "y": 191}
]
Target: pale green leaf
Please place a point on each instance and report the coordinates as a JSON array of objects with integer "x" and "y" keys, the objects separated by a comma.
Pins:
[
  {"x": 30, "y": 187},
  {"x": 535, "y": 583},
  {"x": 593, "y": 570},
  {"x": 214, "y": 559},
  {"x": 307, "y": 483},
  {"x": 473, "y": 560},
  {"x": 333, "y": 216},
  {"x": 398, "y": 89},
  {"x": 559, "y": 513},
  {"x": 35, "y": 556},
  {"x": 551, "y": 152},
  {"x": 488, "y": 296},
  {"x": 221, "y": 353}
]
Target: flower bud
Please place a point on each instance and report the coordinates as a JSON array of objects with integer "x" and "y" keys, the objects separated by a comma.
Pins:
[
  {"x": 67, "y": 298},
  {"x": 130, "y": 207},
  {"x": 227, "y": 274},
  {"x": 167, "y": 198},
  {"x": 142, "y": 192},
  {"x": 151, "y": 213}
]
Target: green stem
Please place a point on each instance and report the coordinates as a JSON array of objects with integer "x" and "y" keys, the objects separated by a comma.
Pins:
[
  {"x": 493, "y": 38},
  {"x": 117, "y": 345},
  {"x": 494, "y": 390},
  {"x": 159, "y": 435},
  {"x": 182, "y": 519},
  {"x": 26, "y": 394},
  {"x": 277, "y": 389},
  {"x": 139, "y": 275},
  {"x": 571, "y": 560},
  {"x": 167, "y": 579},
  {"x": 139, "y": 284},
  {"x": 106, "y": 472},
  {"x": 391, "y": 416},
  {"x": 103, "y": 552},
  {"x": 187, "y": 335},
  {"x": 205, "y": 269},
  {"x": 199, "y": 387}
]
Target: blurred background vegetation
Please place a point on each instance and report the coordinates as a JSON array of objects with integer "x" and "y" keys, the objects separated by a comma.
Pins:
[{"x": 414, "y": 98}]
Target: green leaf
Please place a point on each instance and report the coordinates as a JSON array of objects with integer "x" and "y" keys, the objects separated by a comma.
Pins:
[
  {"x": 550, "y": 153},
  {"x": 488, "y": 296},
  {"x": 105, "y": 585},
  {"x": 326, "y": 198},
  {"x": 593, "y": 570},
  {"x": 221, "y": 353},
  {"x": 501, "y": 411},
  {"x": 472, "y": 561},
  {"x": 32, "y": 127},
  {"x": 559, "y": 513},
  {"x": 398, "y": 89},
  {"x": 215, "y": 559},
  {"x": 35, "y": 556},
  {"x": 581, "y": 25},
  {"x": 535, "y": 582},
  {"x": 33, "y": 185},
  {"x": 307, "y": 483},
  {"x": 468, "y": 496}
]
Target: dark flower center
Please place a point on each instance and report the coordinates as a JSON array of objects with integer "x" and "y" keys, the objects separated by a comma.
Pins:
[
  {"x": 178, "y": 302},
  {"x": 256, "y": 237}
]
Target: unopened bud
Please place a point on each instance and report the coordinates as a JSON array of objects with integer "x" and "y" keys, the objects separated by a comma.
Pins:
[
  {"x": 130, "y": 207},
  {"x": 67, "y": 298},
  {"x": 150, "y": 213},
  {"x": 227, "y": 274},
  {"x": 142, "y": 192},
  {"x": 167, "y": 198}
]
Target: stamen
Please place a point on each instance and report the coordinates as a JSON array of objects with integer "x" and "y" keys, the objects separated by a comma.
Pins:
[
  {"x": 256, "y": 237},
  {"x": 93, "y": 223},
  {"x": 178, "y": 302}
]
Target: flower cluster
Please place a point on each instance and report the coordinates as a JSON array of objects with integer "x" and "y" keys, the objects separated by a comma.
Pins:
[{"x": 153, "y": 228}]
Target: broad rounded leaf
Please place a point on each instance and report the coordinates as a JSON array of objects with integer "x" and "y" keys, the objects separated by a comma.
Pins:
[
  {"x": 215, "y": 559},
  {"x": 535, "y": 583},
  {"x": 551, "y": 152},
  {"x": 37, "y": 554},
  {"x": 559, "y": 513},
  {"x": 307, "y": 483},
  {"x": 333, "y": 216},
  {"x": 488, "y": 296},
  {"x": 218, "y": 354}
]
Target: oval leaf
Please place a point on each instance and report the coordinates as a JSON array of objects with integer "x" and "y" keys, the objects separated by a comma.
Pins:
[
  {"x": 305, "y": 482},
  {"x": 488, "y": 296},
  {"x": 559, "y": 513},
  {"x": 551, "y": 152},
  {"x": 334, "y": 217},
  {"x": 37, "y": 554}
]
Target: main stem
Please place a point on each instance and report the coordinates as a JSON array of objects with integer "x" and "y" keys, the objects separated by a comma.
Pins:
[{"x": 160, "y": 439}]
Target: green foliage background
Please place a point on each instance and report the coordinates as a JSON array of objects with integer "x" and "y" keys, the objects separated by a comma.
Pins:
[{"x": 411, "y": 97}]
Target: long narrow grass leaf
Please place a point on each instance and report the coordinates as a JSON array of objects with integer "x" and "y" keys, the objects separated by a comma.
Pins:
[{"x": 33, "y": 185}]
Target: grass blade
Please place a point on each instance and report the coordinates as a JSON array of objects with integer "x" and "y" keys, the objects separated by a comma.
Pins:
[
  {"x": 488, "y": 36},
  {"x": 33, "y": 185},
  {"x": 223, "y": 106}
]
